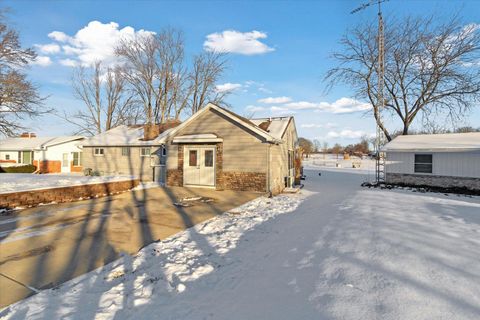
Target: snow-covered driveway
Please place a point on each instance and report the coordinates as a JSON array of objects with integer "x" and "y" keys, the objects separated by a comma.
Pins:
[{"x": 345, "y": 253}]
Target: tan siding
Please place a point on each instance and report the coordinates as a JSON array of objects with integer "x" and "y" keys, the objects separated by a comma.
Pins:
[
  {"x": 279, "y": 159},
  {"x": 241, "y": 150},
  {"x": 113, "y": 163}
]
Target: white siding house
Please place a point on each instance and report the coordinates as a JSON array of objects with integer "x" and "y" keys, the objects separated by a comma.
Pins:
[
  {"x": 48, "y": 154},
  {"x": 443, "y": 160}
]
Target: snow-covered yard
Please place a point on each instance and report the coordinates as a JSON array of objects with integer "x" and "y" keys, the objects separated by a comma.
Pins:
[
  {"x": 14, "y": 182},
  {"x": 334, "y": 251}
]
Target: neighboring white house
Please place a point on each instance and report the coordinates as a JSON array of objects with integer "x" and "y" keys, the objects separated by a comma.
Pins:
[
  {"x": 48, "y": 154},
  {"x": 442, "y": 160}
]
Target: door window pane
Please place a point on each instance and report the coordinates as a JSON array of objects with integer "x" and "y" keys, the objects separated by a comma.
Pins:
[
  {"x": 192, "y": 159},
  {"x": 208, "y": 158}
]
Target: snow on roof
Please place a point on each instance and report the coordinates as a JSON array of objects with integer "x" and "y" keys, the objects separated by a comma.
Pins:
[
  {"x": 123, "y": 136},
  {"x": 276, "y": 126},
  {"x": 37, "y": 143},
  {"x": 438, "y": 142}
]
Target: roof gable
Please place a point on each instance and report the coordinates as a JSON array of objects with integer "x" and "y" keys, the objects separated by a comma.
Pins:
[{"x": 253, "y": 128}]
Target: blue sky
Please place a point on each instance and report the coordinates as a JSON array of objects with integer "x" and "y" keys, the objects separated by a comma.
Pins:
[{"x": 284, "y": 59}]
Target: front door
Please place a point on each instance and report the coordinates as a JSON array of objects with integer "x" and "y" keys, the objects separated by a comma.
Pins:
[
  {"x": 199, "y": 166},
  {"x": 65, "y": 163}
]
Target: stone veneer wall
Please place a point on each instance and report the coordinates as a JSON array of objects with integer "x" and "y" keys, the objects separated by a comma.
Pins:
[
  {"x": 243, "y": 181},
  {"x": 230, "y": 180},
  {"x": 175, "y": 176},
  {"x": 64, "y": 194},
  {"x": 432, "y": 180}
]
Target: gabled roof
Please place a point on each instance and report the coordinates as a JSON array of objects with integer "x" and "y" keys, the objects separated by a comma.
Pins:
[
  {"x": 123, "y": 135},
  {"x": 37, "y": 143},
  {"x": 250, "y": 125},
  {"x": 274, "y": 126},
  {"x": 435, "y": 142}
]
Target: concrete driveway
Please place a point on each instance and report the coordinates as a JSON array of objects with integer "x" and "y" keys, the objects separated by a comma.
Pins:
[{"x": 45, "y": 246}]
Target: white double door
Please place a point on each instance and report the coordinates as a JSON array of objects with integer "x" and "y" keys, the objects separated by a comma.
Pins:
[{"x": 199, "y": 166}]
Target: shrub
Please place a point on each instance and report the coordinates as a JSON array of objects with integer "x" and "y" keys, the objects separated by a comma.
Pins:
[{"x": 28, "y": 168}]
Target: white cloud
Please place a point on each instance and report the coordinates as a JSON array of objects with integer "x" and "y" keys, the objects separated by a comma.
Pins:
[
  {"x": 68, "y": 62},
  {"x": 96, "y": 41},
  {"x": 281, "y": 110},
  {"x": 342, "y": 105},
  {"x": 348, "y": 134},
  {"x": 58, "y": 36},
  {"x": 48, "y": 48},
  {"x": 272, "y": 100},
  {"x": 327, "y": 125},
  {"x": 233, "y": 41},
  {"x": 228, "y": 87},
  {"x": 252, "y": 108},
  {"x": 301, "y": 105},
  {"x": 42, "y": 61}
]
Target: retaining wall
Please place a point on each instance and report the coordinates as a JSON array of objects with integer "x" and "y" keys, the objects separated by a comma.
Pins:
[{"x": 64, "y": 194}]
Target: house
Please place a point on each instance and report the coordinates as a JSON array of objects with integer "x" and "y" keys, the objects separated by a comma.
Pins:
[
  {"x": 48, "y": 154},
  {"x": 440, "y": 160},
  {"x": 214, "y": 148}
]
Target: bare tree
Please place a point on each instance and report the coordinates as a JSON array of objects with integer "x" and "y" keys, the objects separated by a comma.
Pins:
[
  {"x": 430, "y": 68},
  {"x": 207, "y": 69},
  {"x": 19, "y": 98},
  {"x": 156, "y": 68},
  {"x": 107, "y": 101}
]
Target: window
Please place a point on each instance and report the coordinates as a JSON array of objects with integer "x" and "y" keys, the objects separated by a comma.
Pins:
[
  {"x": 27, "y": 157},
  {"x": 145, "y": 152},
  {"x": 208, "y": 158},
  {"x": 423, "y": 163},
  {"x": 65, "y": 160},
  {"x": 76, "y": 159},
  {"x": 164, "y": 151},
  {"x": 99, "y": 152},
  {"x": 7, "y": 157},
  {"x": 192, "y": 158},
  {"x": 291, "y": 159},
  {"x": 125, "y": 151}
]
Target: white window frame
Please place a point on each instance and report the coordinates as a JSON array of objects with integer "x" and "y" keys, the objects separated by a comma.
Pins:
[
  {"x": 7, "y": 157},
  {"x": 142, "y": 154},
  {"x": 99, "y": 154},
  {"x": 79, "y": 159},
  {"x": 125, "y": 151},
  {"x": 422, "y": 163}
]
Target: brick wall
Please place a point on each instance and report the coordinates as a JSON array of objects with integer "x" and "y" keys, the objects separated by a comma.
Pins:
[
  {"x": 432, "y": 180},
  {"x": 48, "y": 166},
  {"x": 7, "y": 161},
  {"x": 75, "y": 168},
  {"x": 64, "y": 194}
]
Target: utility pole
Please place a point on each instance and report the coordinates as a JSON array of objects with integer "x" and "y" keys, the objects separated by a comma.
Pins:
[{"x": 379, "y": 136}]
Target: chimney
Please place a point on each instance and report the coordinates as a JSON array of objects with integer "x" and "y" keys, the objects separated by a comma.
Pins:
[
  {"x": 151, "y": 131},
  {"x": 28, "y": 135}
]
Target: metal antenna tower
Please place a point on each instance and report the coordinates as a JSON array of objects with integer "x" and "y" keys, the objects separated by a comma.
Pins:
[{"x": 379, "y": 137}]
